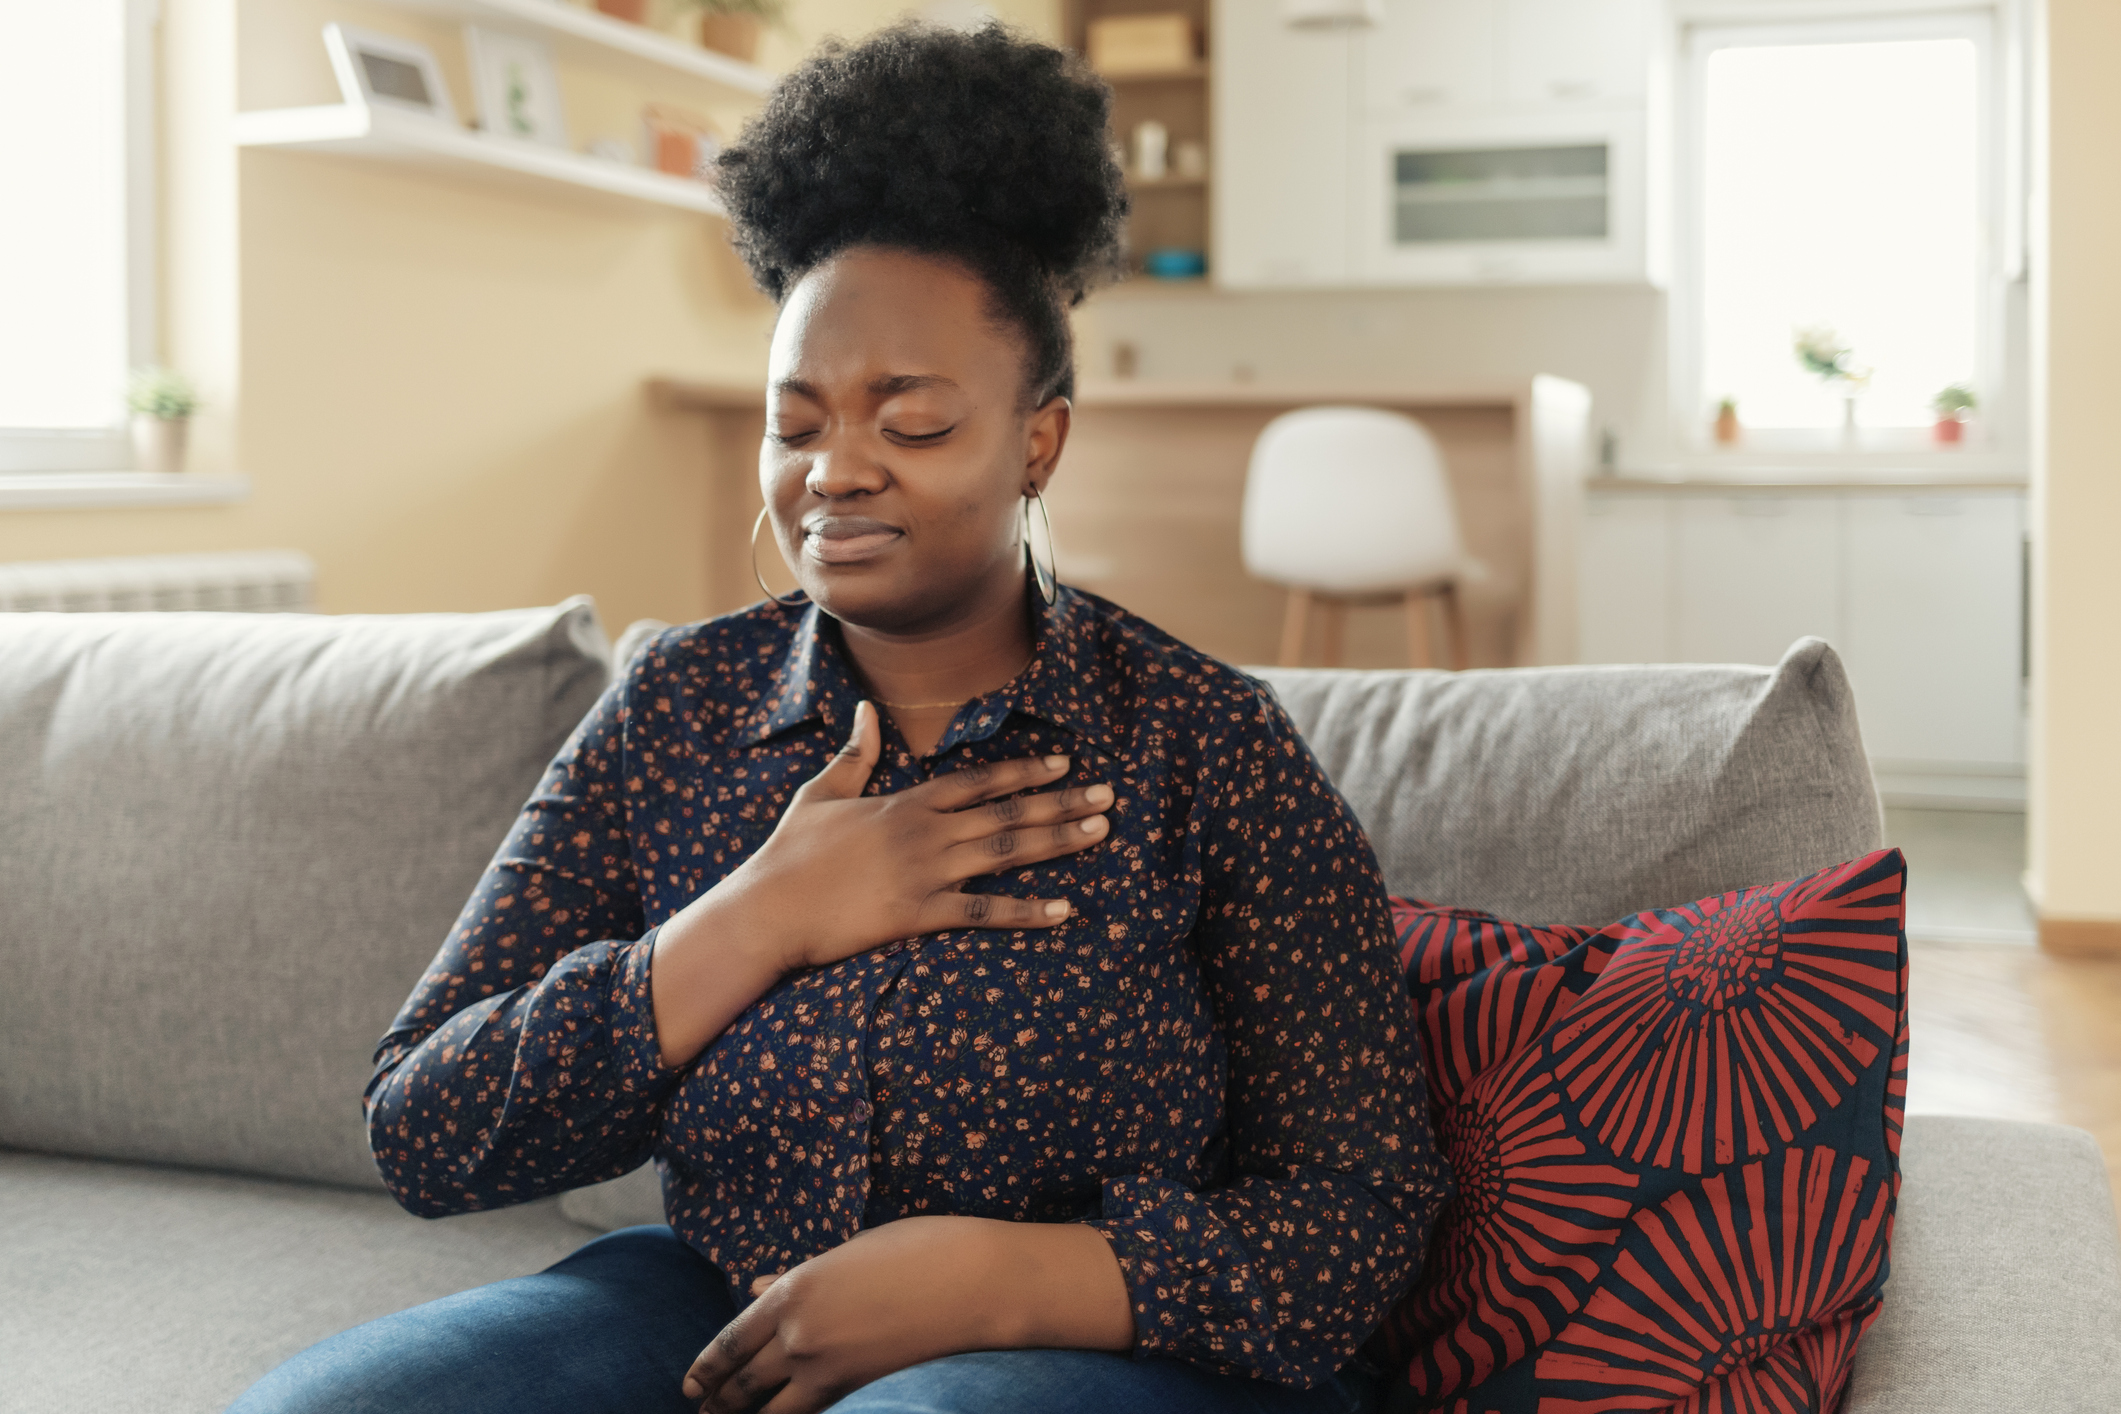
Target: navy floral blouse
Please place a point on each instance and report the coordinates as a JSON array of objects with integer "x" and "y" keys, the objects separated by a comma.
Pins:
[{"x": 1211, "y": 1062}]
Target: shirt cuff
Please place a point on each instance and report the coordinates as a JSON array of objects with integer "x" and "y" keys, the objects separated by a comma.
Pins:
[
  {"x": 1191, "y": 1284},
  {"x": 630, "y": 1014}
]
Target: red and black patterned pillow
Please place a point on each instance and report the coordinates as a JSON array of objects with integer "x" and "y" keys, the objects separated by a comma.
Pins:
[{"x": 1677, "y": 1148}]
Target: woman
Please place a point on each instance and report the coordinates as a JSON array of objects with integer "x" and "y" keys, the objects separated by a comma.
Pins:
[{"x": 998, "y": 984}]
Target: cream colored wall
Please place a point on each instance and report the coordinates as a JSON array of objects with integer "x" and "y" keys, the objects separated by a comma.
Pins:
[
  {"x": 2076, "y": 780},
  {"x": 434, "y": 387}
]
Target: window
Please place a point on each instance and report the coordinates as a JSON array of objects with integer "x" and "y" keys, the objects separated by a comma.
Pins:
[
  {"x": 1841, "y": 183},
  {"x": 76, "y": 244}
]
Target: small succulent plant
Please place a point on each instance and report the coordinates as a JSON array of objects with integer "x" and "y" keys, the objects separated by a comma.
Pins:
[
  {"x": 163, "y": 393},
  {"x": 1824, "y": 356}
]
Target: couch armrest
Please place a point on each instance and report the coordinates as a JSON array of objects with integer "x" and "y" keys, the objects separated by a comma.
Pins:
[{"x": 2006, "y": 1280}]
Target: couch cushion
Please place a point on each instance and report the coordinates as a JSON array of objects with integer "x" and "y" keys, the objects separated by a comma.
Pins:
[
  {"x": 127, "y": 1285},
  {"x": 1676, "y": 1145},
  {"x": 2006, "y": 1287},
  {"x": 1579, "y": 795},
  {"x": 231, "y": 844}
]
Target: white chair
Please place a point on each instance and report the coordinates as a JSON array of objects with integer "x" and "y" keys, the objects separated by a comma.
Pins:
[{"x": 1349, "y": 505}]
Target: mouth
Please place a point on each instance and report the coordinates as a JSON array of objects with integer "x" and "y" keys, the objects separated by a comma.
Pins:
[{"x": 847, "y": 540}]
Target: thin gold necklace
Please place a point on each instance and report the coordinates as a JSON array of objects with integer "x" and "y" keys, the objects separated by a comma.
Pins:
[{"x": 929, "y": 706}]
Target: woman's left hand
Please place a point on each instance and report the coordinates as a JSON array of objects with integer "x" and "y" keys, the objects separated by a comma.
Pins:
[{"x": 912, "y": 1290}]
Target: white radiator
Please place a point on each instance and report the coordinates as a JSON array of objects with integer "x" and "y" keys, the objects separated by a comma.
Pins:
[{"x": 249, "y": 581}]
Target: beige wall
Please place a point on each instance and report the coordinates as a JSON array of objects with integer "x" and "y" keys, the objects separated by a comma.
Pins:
[
  {"x": 2076, "y": 779},
  {"x": 434, "y": 387}
]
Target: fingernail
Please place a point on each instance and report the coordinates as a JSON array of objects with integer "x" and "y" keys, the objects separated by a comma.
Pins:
[
  {"x": 1056, "y": 763},
  {"x": 1092, "y": 825},
  {"x": 692, "y": 1388},
  {"x": 1098, "y": 795},
  {"x": 1056, "y": 910}
]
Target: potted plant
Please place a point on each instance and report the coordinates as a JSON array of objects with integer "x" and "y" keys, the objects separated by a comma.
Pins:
[
  {"x": 1727, "y": 429},
  {"x": 1953, "y": 406},
  {"x": 162, "y": 402},
  {"x": 633, "y": 11},
  {"x": 732, "y": 27},
  {"x": 1820, "y": 350}
]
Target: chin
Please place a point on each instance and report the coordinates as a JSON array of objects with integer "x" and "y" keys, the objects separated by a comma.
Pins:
[{"x": 885, "y": 602}]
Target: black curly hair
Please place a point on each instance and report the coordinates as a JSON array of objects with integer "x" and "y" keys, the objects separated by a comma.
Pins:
[{"x": 985, "y": 148}]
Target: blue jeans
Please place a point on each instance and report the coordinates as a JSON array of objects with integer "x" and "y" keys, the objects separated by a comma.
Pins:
[{"x": 613, "y": 1328}]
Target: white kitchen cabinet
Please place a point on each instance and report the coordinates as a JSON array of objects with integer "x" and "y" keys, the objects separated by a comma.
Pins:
[
  {"x": 1921, "y": 593},
  {"x": 1624, "y": 595},
  {"x": 1282, "y": 146},
  {"x": 1753, "y": 573},
  {"x": 1455, "y": 142},
  {"x": 1574, "y": 51},
  {"x": 1501, "y": 198},
  {"x": 1431, "y": 54},
  {"x": 1934, "y": 625}
]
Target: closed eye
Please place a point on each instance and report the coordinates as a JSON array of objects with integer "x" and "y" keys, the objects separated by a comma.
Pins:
[{"x": 915, "y": 439}]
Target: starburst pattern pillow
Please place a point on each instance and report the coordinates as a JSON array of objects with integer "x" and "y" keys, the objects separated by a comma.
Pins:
[{"x": 1677, "y": 1145}]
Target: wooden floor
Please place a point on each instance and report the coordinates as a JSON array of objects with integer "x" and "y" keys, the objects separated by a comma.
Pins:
[{"x": 2003, "y": 1029}]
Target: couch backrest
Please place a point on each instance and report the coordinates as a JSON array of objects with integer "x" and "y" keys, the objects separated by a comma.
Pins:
[
  {"x": 229, "y": 843},
  {"x": 1581, "y": 795}
]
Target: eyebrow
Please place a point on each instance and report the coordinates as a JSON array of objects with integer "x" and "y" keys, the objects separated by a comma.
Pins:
[{"x": 891, "y": 385}]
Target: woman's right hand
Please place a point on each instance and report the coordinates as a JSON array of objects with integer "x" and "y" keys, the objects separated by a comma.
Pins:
[{"x": 843, "y": 872}]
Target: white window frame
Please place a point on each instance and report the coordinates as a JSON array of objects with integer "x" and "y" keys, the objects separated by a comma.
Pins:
[
  {"x": 30, "y": 449},
  {"x": 1710, "y": 27}
]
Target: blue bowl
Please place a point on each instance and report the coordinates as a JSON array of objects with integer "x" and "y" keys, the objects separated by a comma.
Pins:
[{"x": 1175, "y": 263}]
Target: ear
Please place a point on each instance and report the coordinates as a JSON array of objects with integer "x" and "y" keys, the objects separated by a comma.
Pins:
[{"x": 1045, "y": 434}]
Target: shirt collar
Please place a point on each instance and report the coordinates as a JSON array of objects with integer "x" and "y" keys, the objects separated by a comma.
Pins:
[
  {"x": 1064, "y": 683},
  {"x": 813, "y": 681}
]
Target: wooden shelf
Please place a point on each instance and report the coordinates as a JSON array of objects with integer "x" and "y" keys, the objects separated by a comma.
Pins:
[
  {"x": 586, "y": 35},
  {"x": 1192, "y": 73},
  {"x": 382, "y": 134},
  {"x": 1166, "y": 183}
]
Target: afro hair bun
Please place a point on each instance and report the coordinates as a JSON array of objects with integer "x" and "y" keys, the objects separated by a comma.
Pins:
[
  {"x": 985, "y": 147},
  {"x": 932, "y": 139}
]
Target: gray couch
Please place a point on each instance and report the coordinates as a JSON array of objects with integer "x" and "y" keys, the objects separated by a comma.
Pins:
[{"x": 229, "y": 843}]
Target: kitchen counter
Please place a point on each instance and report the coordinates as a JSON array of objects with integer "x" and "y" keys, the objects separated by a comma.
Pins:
[{"x": 1148, "y": 509}]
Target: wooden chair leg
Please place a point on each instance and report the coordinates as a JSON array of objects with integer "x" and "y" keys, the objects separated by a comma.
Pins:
[
  {"x": 1455, "y": 620},
  {"x": 1295, "y": 624},
  {"x": 1336, "y": 627},
  {"x": 1421, "y": 651}
]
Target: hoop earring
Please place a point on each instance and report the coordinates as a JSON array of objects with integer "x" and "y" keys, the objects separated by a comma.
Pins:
[
  {"x": 800, "y": 596},
  {"x": 1047, "y": 576}
]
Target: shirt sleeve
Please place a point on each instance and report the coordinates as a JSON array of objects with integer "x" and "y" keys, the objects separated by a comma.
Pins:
[
  {"x": 1335, "y": 1176},
  {"x": 526, "y": 1060}
]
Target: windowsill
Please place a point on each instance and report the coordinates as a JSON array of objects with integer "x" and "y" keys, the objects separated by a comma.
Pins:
[
  {"x": 1883, "y": 464},
  {"x": 76, "y": 490}
]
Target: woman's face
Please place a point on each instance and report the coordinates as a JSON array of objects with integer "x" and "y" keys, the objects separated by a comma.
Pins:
[{"x": 897, "y": 444}]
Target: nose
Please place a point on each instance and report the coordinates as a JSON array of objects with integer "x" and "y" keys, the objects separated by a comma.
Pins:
[{"x": 838, "y": 470}]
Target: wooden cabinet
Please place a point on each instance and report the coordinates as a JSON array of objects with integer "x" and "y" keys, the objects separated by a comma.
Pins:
[
  {"x": 1920, "y": 591},
  {"x": 1170, "y": 211}
]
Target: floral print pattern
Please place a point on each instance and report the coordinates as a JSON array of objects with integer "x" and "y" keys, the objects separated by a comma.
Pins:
[{"x": 1211, "y": 1061}]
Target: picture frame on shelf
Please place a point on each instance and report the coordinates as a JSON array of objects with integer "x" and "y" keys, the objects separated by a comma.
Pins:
[
  {"x": 515, "y": 87},
  {"x": 384, "y": 71}
]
